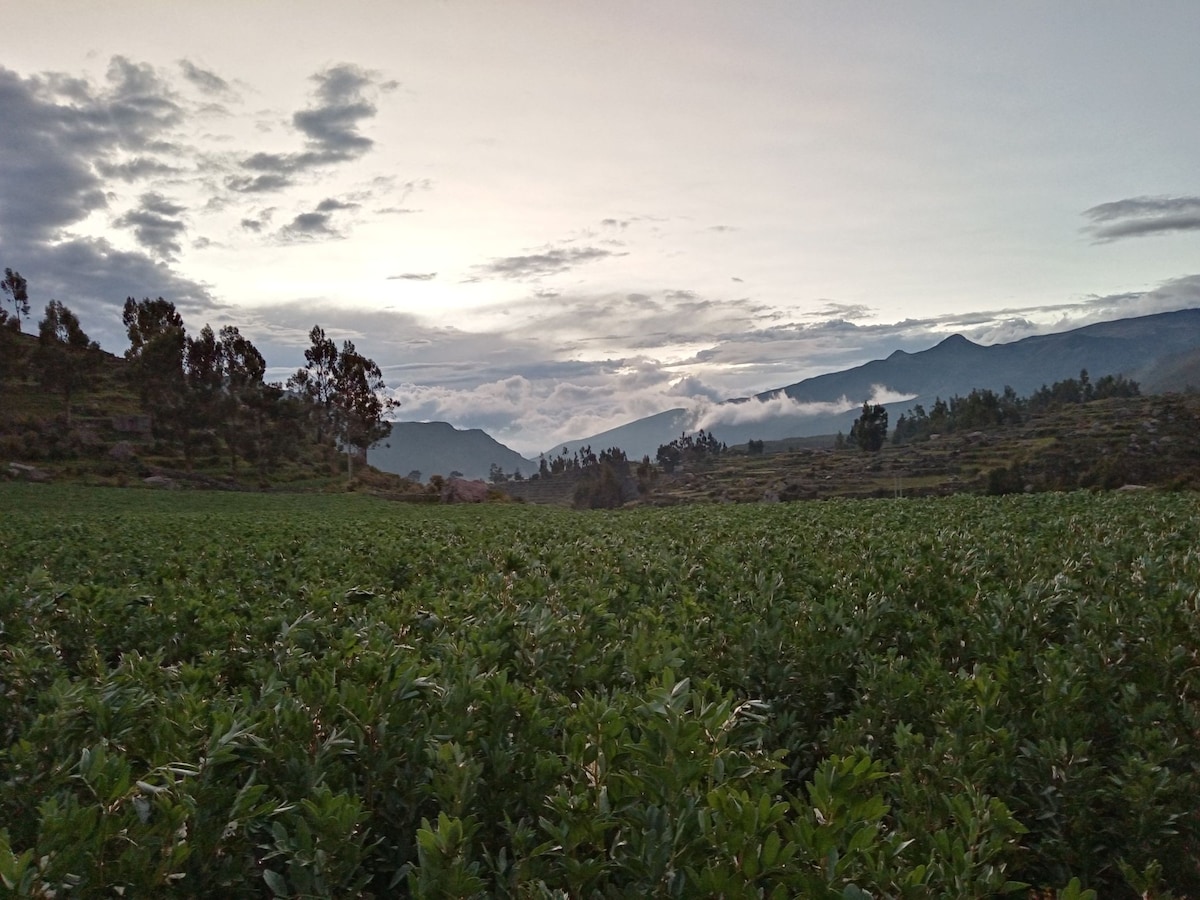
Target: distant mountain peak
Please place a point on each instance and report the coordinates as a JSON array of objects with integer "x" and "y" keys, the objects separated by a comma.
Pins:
[{"x": 955, "y": 341}]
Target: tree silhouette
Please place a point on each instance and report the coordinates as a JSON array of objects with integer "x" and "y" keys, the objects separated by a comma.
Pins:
[
  {"x": 16, "y": 289},
  {"x": 157, "y": 343},
  {"x": 870, "y": 429},
  {"x": 358, "y": 409},
  {"x": 63, "y": 358}
]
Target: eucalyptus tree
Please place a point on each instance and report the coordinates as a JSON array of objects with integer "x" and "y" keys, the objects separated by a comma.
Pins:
[
  {"x": 64, "y": 358},
  {"x": 358, "y": 405}
]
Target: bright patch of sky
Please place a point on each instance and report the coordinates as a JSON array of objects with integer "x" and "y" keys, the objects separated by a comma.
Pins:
[{"x": 546, "y": 219}]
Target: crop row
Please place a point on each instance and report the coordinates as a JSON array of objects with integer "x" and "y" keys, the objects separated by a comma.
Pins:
[{"x": 207, "y": 694}]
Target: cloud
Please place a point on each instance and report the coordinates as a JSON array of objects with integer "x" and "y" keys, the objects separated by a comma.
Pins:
[
  {"x": 413, "y": 276},
  {"x": 136, "y": 169},
  {"x": 1142, "y": 216},
  {"x": 538, "y": 265},
  {"x": 156, "y": 225},
  {"x": 206, "y": 80},
  {"x": 62, "y": 136},
  {"x": 257, "y": 184},
  {"x": 59, "y": 131},
  {"x": 330, "y": 205},
  {"x": 754, "y": 410},
  {"x": 308, "y": 226},
  {"x": 846, "y": 311},
  {"x": 331, "y": 127},
  {"x": 317, "y": 224}
]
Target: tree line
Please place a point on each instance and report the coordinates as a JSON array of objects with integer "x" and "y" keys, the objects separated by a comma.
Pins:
[
  {"x": 208, "y": 392},
  {"x": 983, "y": 408}
]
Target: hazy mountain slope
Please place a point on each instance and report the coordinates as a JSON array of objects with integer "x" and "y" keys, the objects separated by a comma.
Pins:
[
  {"x": 1161, "y": 346},
  {"x": 637, "y": 438},
  {"x": 437, "y": 448}
]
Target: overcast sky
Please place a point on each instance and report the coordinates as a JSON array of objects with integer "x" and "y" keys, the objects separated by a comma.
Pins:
[{"x": 548, "y": 218}]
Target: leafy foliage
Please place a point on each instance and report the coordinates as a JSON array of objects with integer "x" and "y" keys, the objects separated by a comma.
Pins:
[
  {"x": 869, "y": 430},
  {"x": 15, "y": 290},
  {"x": 332, "y": 696},
  {"x": 65, "y": 356}
]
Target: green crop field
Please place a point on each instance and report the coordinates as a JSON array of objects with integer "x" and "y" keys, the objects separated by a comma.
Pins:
[{"x": 234, "y": 695}]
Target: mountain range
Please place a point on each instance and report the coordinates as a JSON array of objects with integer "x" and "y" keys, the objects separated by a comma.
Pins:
[
  {"x": 438, "y": 448},
  {"x": 1161, "y": 352}
]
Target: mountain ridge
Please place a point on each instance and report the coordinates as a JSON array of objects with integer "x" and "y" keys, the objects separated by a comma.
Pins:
[
  {"x": 438, "y": 448},
  {"x": 1160, "y": 349}
]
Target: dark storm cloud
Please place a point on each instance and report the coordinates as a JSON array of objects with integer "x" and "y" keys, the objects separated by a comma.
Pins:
[
  {"x": 330, "y": 127},
  {"x": 61, "y": 136},
  {"x": 156, "y": 225},
  {"x": 58, "y": 131},
  {"x": 413, "y": 276},
  {"x": 1141, "y": 216},
  {"x": 206, "y": 80},
  {"x": 93, "y": 278},
  {"x": 537, "y": 265}
]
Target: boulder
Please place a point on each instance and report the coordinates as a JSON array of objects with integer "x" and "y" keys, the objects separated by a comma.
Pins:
[{"x": 459, "y": 490}]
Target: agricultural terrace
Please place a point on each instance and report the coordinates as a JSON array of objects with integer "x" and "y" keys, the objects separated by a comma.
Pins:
[{"x": 218, "y": 694}]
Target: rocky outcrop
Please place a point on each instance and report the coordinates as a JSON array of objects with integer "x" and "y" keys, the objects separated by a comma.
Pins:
[{"x": 459, "y": 490}]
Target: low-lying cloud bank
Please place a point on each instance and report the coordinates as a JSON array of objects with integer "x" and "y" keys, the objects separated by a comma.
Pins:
[{"x": 711, "y": 416}]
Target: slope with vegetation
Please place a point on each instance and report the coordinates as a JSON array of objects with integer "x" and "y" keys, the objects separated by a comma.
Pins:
[
  {"x": 177, "y": 407},
  {"x": 1103, "y": 445}
]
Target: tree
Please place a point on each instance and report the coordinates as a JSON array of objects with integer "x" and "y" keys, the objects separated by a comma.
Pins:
[
  {"x": 243, "y": 418},
  {"x": 16, "y": 289},
  {"x": 204, "y": 372},
  {"x": 146, "y": 320},
  {"x": 157, "y": 343},
  {"x": 63, "y": 358},
  {"x": 358, "y": 410},
  {"x": 315, "y": 381},
  {"x": 870, "y": 429}
]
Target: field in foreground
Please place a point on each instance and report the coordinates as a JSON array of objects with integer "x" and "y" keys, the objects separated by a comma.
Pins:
[{"x": 247, "y": 695}]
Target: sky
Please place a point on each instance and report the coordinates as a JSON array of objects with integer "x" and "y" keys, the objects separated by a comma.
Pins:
[{"x": 546, "y": 219}]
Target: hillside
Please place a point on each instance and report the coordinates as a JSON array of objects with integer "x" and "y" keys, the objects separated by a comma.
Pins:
[
  {"x": 1159, "y": 350},
  {"x": 1109, "y": 444},
  {"x": 107, "y": 438}
]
